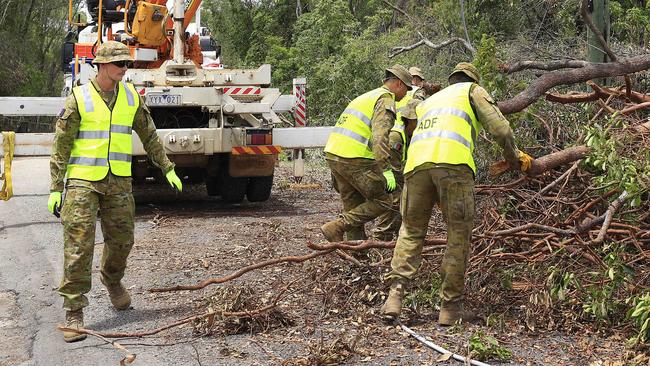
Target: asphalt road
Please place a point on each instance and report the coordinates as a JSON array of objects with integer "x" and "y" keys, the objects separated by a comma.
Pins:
[{"x": 30, "y": 270}]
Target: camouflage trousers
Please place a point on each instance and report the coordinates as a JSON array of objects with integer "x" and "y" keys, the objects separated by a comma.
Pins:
[
  {"x": 79, "y": 213},
  {"x": 389, "y": 222},
  {"x": 452, "y": 187},
  {"x": 363, "y": 193}
]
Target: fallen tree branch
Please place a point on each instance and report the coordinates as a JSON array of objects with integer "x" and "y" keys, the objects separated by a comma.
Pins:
[
  {"x": 129, "y": 357},
  {"x": 542, "y": 65},
  {"x": 247, "y": 313},
  {"x": 609, "y": 214},
  {"x": 567, "y": 77},
  {"x": 635, "y": 108},
  {"x": 240, "y": 272},
  {"x": 559, "y": 179},
  {"x": 553, "y": 160},
  {"x": 367, "y": 244},
  {"x": 531, "y": 225}
]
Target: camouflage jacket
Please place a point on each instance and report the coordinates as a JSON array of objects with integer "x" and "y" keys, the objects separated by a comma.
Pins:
[{"x": 66, "y": 130}]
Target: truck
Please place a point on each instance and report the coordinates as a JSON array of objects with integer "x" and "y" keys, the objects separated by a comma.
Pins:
[{"x": 218, "y": 125}]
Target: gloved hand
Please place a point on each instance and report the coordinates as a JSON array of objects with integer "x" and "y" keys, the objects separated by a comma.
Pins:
[
  {"x": 390, "y": 180},
  {"x": 525, "y": 161},
  {"x": 54, "y": 203},
  {"x": 174, "y": 180}
]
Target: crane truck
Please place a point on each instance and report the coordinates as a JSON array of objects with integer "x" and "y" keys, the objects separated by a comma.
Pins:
[{"x": 217, "y": 124}]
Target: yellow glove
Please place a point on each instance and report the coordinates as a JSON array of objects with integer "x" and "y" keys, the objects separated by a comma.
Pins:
[
  {"x": 174, "y": 180},
  {"x": 54, "y": 203},
  {"x": 525, "y": 161}
]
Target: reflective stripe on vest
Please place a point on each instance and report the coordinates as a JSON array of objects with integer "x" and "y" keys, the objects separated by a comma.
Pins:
[
  {"x": 104, "y": 139},
  {"x": 399, "y": 123},
  {"x": 446, "y": 129},
  {"x": 352, "y": 135}
]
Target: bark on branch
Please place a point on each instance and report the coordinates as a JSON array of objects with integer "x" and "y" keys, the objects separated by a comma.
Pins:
[
  {"x": 566, "y": 77},
  {"x": 554, "y": 160},
  {"x": 541, "y": 65}
]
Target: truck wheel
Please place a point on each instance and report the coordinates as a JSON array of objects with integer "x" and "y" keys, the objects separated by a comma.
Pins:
[
  {"x": 212, "y": 186},
  {"x": 232, "y": 189},
  {"x": 259, "y": 189}
]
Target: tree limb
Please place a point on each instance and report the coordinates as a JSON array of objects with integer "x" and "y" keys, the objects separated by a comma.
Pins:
[
  {"x": 426, "y": 42},
  {"x": 563, "y": 77},
  {"x": 551, "y": 161},
  {"x": 541, "y": 65}
]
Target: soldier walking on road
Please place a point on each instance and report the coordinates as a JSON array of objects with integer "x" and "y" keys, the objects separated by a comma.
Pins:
[
  {"x": 440, "y": 170},
  {"x": 92, "y": 147},
  {"x": 357, "y": 152}
]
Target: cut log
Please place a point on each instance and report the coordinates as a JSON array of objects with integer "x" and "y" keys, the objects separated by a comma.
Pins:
[{"x": 554, "y": 160}]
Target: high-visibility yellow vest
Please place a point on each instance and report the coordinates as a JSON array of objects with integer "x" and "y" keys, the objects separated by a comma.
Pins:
[
  {"x": 447, "y": 129},
  {"x": 352, "y": 134},
  {"x": 104, "y": 140},
  {"x": 399, "y": 123}
]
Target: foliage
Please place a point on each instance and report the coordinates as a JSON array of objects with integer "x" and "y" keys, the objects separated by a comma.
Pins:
[
  {"x": 623, "y": 165},
  {"x": 639, "y": 314},
  {"x": 601, "y": 302},
  {"x": 484, "y": 347},
  {"x": 427, "y": 294}
]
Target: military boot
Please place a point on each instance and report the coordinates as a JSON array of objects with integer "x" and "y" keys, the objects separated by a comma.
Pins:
[
  {"x": 393, "y": 305},
  {"x": 74, "y": 320},
  {"x": 334, "y": 230},
  {"x": 452, "y": 312},
  {"x": 120, "y": 297}
]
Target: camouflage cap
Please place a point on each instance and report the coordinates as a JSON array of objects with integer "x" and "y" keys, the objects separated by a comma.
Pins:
[
  {"x": 401, "y": 73},
  {"x": 408, "y": 111},
  {"x": 467, "y": 69},
  {"x": 112, "y": 51},
  {"x": 415, "y": 71}
]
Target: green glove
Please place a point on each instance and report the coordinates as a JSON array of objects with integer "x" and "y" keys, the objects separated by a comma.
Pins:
[
  {"x": 54, "y": 203},
  {"x": 174, "y": 180},
  {"x": 390, "y": 180}
]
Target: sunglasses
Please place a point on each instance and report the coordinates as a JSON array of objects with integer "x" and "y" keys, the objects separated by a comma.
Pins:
[{"x": 121, "y": 64}]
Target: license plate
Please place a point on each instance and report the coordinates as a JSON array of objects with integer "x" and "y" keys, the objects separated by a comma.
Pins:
[{"x": 161, "y": 99}]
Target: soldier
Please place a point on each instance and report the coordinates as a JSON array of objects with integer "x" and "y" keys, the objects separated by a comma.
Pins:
[
  {"x": 418, "y": 91},
  {"x": 440, "y": 170},
  {"x": 357, "y": 152},
  {"x": 388, "y": 223},
  {"x": 92, "y": 146}
]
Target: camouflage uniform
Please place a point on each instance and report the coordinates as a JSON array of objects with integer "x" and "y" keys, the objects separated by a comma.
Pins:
[
  {"x": 359, "y": 181},
  {"x": 419, "y": 93},
  {"x": 110, "y": 196},
  {"x": 452, "y": 187},
  {"x": 388, "y": 223}
]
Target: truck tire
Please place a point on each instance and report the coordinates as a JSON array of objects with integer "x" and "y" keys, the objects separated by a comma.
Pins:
[
  {"x": 259, "y": 189},
  {"x": 212, "y": 186},
  {"x": 232, "y": 189}
]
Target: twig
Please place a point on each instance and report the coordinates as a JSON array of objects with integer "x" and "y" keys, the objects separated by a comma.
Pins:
[
  {"x": 613, "y": 207},
  {"x": 531, "y": 225},
  {"x": 367, "y": 244},
  {"x": 129, "y": 357},
  {"x": 240, "y": 272},
  {"x": 248, "y": 313},
  {"x": 559, "y": 179}
]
